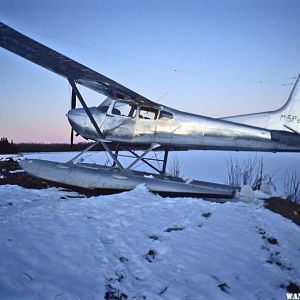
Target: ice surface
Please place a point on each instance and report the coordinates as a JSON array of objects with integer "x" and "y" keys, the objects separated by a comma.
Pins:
[{"x": 58, "y": 245}]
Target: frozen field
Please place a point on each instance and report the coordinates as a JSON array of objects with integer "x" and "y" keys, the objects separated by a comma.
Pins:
[{"x": 135, "y": 245}]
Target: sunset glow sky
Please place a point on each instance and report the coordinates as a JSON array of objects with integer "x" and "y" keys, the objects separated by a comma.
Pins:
[{"x": 213, "y": 58}]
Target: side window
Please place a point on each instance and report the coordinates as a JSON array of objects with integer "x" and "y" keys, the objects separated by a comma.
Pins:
[
  {"x": 124, "y": 109},
  {"x": 148, "y": 113},
  {"x": 165, "y": 115}
]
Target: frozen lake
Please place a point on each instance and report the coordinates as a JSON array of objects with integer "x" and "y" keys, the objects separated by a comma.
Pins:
[{"x": 202, "y": 165}]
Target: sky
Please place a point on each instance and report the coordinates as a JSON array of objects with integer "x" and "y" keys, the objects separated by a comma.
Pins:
[{"x": 213, "y": 58}]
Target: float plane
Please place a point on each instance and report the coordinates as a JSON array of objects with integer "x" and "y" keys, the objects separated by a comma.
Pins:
[{"x": 128, "y": 121}]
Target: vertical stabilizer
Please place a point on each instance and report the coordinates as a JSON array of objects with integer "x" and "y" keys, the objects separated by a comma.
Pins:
[
  {"x": 290, "y": 111},
  {"x": 286, "y": 118}
]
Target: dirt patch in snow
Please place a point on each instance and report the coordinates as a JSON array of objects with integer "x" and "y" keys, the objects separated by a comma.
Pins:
[
  {"x": 293, "y": 288},
  {"x": 11, "y": 173},
  {"x": 286, "y": 208}
]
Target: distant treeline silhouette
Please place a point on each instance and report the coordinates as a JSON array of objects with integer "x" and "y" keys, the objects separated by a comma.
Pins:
[
  {"x": 55, "y": 147},
  {"x": 11, "y": 148},
  {"x": 7, "y": 147}
]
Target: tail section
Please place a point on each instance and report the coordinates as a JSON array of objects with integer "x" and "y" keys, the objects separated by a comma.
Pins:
[
  {"x": 290, "y": 111},
  {"x": 286, "y": 118}
]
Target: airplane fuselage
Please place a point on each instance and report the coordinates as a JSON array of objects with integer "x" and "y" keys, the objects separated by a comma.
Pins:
[{"x": 181, "y": 130}]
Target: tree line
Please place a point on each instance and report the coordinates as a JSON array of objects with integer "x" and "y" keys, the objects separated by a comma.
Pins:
[{"x": 7, "y": 147}]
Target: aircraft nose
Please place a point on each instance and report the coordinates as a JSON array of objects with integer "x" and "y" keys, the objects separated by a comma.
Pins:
[{"x": 77, "y": 119}]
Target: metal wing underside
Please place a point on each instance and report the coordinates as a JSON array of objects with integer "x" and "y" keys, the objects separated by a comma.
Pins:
[{"x": 60, "y": 64}]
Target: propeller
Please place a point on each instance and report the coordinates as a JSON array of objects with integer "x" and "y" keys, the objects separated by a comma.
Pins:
[{"x": 73, "y": 106}]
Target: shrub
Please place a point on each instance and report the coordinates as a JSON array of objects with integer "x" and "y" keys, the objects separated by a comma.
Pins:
[
  {"x": 174, "y": 169},
  {"x": 292, "y": 186},
  {"x": 248, "y": 172}
]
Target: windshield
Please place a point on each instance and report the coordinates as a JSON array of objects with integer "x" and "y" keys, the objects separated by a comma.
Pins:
[{"x": 104, "y": 106}]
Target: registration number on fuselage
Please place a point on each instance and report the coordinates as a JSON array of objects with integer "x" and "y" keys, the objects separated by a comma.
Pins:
[{"x": 290, "y": 118}]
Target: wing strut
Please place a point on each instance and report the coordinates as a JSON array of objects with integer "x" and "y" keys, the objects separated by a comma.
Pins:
[
  {"x": 89, "y": 114},
  {"x": 74, "y": 159},
  {"x": 153, "y": 146},
  {"x": 164, "y": 167},
  {"x": 144, "y": 160},
  {"x": 73, "y": 106}
]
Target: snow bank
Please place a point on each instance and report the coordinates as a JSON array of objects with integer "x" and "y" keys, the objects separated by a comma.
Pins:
[{"x": 56, "y": 245}]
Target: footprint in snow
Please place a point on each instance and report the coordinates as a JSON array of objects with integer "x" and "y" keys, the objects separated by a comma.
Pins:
[
  {"x": 112, "y": 292},
  {"x": 154, "y": 237},
  {"x": 123, "y": 259},
  {"x": 276, "y": 261},
  {"x": 170, "y": 229},
  {"x": 206, "y": 215},
  {"x": 150, "y": 256},
  {"x": 224, "y": 287},
  {"x": 274, "y": 256},
  {"x": 163, "y": 290},
  {"x": 271, "y": 240}
]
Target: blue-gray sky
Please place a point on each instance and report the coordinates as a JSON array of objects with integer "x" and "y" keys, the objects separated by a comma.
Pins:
[{"x": 213, "y": 58}]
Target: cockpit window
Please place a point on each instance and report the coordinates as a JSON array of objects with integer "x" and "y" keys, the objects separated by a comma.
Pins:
[
  {"x": 103, "y": 109},
  {"x": 148, "y": 113},
  {"x": 104, "y": 106},
  {"x": 124, "y": 109},
  {"x": 164, "y": 115}
]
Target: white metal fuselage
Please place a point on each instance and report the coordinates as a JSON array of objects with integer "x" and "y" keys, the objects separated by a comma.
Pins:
[{"x": 182, "y": 130}]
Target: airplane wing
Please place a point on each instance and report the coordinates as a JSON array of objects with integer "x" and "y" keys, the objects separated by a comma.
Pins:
[{"x": 58, "y": 63}]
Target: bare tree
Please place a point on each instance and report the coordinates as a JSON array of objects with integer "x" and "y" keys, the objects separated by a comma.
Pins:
[
  {"x": 174, "y": 169},
  {"x": 253, "y": 172},
  {"x": 292, "y": 186},
  {"x": 233, "y": 172},
  {"x": 248, "y": 172}
]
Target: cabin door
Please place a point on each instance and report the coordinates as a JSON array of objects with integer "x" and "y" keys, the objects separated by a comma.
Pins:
[
  {"x": 146, "y": 122},
  {"x": 119, "y": 121}
]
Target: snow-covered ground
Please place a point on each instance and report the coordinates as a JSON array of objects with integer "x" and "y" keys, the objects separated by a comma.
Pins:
[{"x": 135, "y": 245}]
